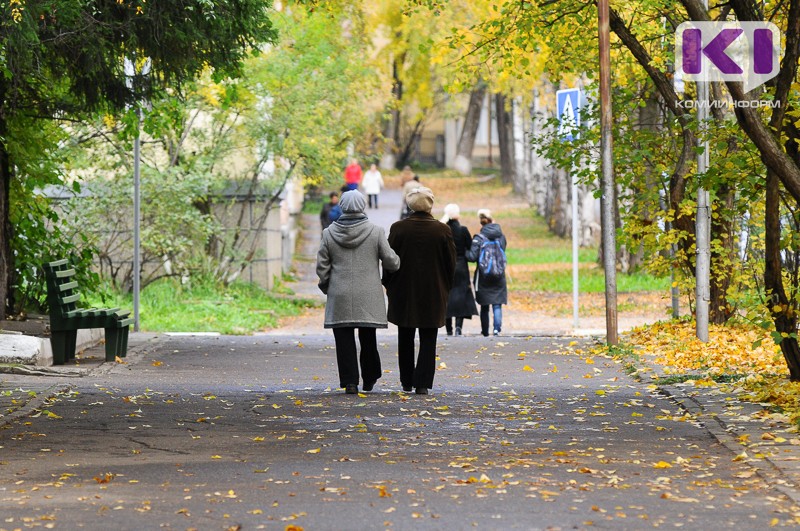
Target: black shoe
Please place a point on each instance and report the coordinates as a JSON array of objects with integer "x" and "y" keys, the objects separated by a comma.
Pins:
[
  {"x": 421, "y": 391},
  {"x": 368, "y": 386},
  {"x": 407, "y": 388},
  {"x": 458, "y": 331},
  {"x": 351, "y": 389}
]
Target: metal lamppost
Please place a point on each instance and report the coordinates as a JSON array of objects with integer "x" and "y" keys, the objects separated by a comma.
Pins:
[{"x": 132, "y": 70}]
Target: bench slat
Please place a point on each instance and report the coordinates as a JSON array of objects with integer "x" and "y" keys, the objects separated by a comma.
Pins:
[
  {"x": 69, "y": 299},
  {"x": 58, "y": 263},
  {"x": 68, "y": 286},
  {"x": 65, "y": 273}
]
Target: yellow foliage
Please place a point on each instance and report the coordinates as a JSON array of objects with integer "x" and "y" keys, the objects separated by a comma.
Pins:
[
  {"x": 735, "y": 350},
  {"x": 730, "y": 349}
]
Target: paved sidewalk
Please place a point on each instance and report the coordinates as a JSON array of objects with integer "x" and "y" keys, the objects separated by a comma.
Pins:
[
  {"x": 765, "y": 442},
  {"x": 254, "y": 433}
]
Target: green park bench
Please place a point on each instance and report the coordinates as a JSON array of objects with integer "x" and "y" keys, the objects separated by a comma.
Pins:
[{"x": 66, "y": 318}]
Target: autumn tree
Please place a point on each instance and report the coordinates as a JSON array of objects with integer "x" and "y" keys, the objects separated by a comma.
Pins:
[
  {"x": 63, "y": 58},
  {"x": 248, "y": 135},
  {"x": 777, "y": 139}
]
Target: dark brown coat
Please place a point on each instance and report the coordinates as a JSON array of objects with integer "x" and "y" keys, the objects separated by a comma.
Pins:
[{"x": 419, "y": 290}]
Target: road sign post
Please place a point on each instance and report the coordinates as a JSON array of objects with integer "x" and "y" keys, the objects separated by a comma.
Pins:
[{"x": 568, "y": 103}]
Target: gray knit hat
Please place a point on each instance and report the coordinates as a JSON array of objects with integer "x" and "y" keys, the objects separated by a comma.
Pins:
[{"x": 352, "y": 201}]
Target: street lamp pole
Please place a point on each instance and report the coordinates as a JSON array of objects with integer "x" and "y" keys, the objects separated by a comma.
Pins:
[{"x": 702, "y": 220}]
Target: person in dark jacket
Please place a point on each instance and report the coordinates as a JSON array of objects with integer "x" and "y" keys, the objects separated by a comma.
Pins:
[
  {"x": 348, "y": 271},
  {"x": 489, "y": 291},
  {"x": 325, "y": 215},
  {"x": 419, "y": 290},
  {"x": 461, "y": 304}
]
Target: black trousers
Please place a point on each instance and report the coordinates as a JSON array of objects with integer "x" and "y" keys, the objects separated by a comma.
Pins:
[
  {"x": 419, "y": 374},
  {"x": 373, "y": 200},
  {"x": 347, "y": 359},
  {"x": 448, "y": 324}
]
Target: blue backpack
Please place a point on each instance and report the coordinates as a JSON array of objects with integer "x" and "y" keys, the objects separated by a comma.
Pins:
[
  {"x": 335, "y": 213},
  {"x": 492, "y": 260}
]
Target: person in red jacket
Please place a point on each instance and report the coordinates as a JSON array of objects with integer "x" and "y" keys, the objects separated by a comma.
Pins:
[{"x": 352, "y": 175}]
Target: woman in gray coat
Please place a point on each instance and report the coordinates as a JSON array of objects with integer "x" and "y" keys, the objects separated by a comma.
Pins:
[{"x": 349, "y": 274}]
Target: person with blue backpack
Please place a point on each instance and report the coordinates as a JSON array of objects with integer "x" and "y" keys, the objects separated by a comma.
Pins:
[{"x": 488, "y": 251}]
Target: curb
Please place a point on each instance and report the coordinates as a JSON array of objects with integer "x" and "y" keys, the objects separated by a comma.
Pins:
[
  {"x": 45, "y": 393},
  {"x": 765, "y": 467}
]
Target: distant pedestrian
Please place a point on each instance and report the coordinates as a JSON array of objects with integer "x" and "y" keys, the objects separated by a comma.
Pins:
[
  {"x": 461, "y": 303},
  {"x": 349, "y": 274},
  {"x": 419, "y": 290},
  {"x": 372, "y": 184},
  {"x": 408, "y": 181},
  {"x": 352, "y": 175},
  {"x": 490, "y": 284},
  {"x": 325, "y": 214}
]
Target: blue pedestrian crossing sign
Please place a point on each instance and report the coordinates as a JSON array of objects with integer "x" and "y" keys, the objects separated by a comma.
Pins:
[{"x": 568, "y": 106}]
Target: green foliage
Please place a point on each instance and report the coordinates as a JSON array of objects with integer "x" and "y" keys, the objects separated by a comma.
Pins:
[
  {"x": 37, "y": 237},
  {"x": 79, "y": 45},
  {"x": 174, "y": 232},
  {"x": 312, "y": 88},
  {"x": 60, "y": 59},
  {"x": 247, "y": 136}
]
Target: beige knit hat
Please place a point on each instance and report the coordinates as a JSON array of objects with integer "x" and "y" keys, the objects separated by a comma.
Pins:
[{"x": 420, "y": 199}]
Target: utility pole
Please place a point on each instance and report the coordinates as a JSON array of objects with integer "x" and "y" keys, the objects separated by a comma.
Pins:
[
  {"x": 702, "y": 220},
  {"x": 608, "y": 185},
  {"x": 137, "y": 216}
]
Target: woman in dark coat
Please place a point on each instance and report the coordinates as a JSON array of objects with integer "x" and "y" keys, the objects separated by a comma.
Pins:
[
  {"x": 419, "y": 290},
  {"x": 461, "y": 303},
  {"x": 490, "y": 291}
]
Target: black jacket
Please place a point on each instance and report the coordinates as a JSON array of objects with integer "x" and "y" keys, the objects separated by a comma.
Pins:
[{"x": 489, "y": 290}]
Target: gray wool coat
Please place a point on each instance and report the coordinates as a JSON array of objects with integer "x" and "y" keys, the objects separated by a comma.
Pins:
[{"x": 349, "y": 274}]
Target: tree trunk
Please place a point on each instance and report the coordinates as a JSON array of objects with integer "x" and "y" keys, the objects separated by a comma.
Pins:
[
  {"x": 505, "y": 140},
  {"x": 472, "y": 119},
  {"x": 389, "y": 159},
  {"x": 777, "y": 301},
  {"x": 405, "y": 154},
  {"x": 722, "y": 258},
  {"x": 6, "y": 264}
]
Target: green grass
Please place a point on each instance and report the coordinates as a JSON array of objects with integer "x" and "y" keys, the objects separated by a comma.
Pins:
[
  {"x": 532, "y": 243},
  {"x": 590, "y": 281},
  {"x": 314, "y": 206},
  {"x": 550, "y": 255},
  {"x": 168, "y": 306}
]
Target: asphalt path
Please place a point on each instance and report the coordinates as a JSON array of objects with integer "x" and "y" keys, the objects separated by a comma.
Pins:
[{"x": 252, "y": 433}]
